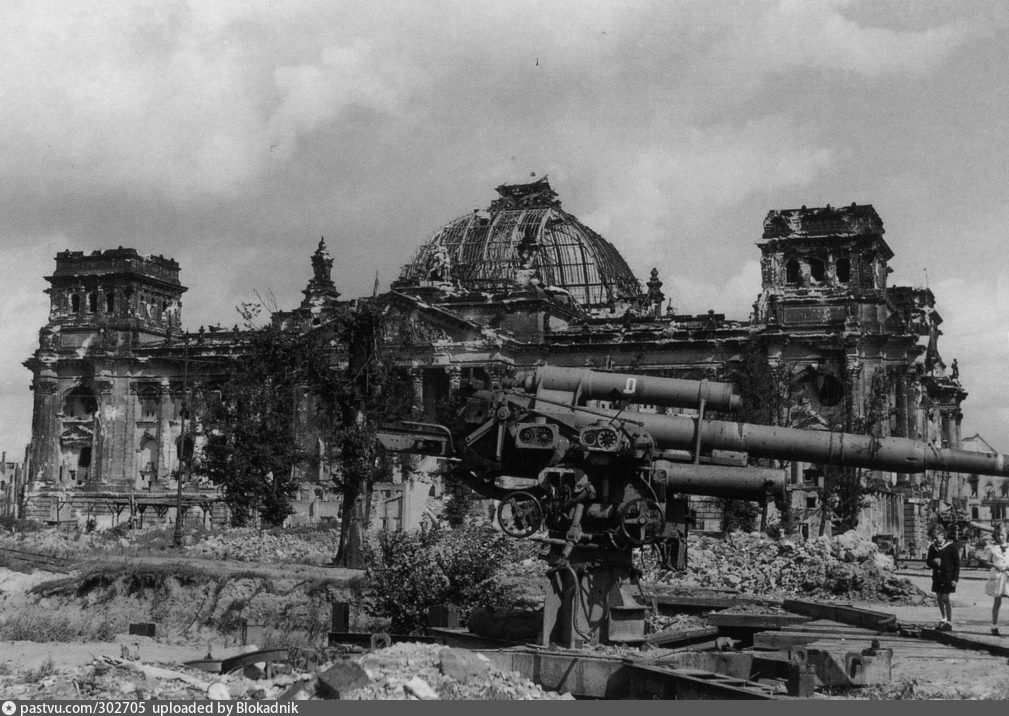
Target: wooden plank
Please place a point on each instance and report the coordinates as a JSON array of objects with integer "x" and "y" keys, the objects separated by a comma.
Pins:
[
  {"x": 703, "y": 602},
  {"x": 844, "y": 613},
  {"x": 781, "y": 640},
  {"x": 981, "y": 642},
  {"x": 845, "y": 631},
  {"x": 753, "y": 621},
  {"x": 681, "y": 635}
]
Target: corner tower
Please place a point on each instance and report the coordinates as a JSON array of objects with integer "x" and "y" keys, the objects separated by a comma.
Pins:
[
  {"x": 815, "y": 262},
  {"x": 93, "y": 374},
  {"x": 117, "y": 294}
]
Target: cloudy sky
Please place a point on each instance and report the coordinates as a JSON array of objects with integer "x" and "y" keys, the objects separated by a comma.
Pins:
[{"x": 232, "y": 135}]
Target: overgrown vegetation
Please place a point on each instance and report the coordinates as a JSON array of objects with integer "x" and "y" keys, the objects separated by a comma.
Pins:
[
  {"x": 101, "y": 602},
  {"x": 46, "y": 668},
  {"x": 740, "y": 516},
  {"x": 13, "y": 524},
  {"x": 763, "y": 390},
  {"x": 408, "y": 573},
  {"x": 846, "y": 492},
  {"x": 341, "y": 374},
  {"x": 38, "y": 624}
]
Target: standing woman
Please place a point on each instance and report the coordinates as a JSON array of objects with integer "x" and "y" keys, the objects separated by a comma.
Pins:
[
  {"x": 944, "y": 558},
  {"x": 997, "y": 554}
]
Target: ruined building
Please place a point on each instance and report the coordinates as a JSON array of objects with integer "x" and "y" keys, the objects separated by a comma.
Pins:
[{"x": 520, "y": 283}]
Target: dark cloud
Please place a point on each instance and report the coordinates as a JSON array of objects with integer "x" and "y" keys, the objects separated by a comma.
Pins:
[{"x": 230, "y": 136}]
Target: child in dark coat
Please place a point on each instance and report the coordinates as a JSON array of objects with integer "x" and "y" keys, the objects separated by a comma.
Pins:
[{"x": 944, "y": 559}]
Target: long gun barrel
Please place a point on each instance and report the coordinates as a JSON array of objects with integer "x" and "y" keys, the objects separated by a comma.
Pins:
[
  {"x": 686, "y": 433},
  {"x": 815, "y": 446},
  {"x": 596, "y": 385}
]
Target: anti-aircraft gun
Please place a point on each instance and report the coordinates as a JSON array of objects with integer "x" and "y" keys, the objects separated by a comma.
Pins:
[{"x": 594, "y": 484}]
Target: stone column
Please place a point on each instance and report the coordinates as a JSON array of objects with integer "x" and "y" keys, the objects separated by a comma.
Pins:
[
  {"x": 46, "y": 428},
  {"x": 454, "y": 380},
  {"x": 417, "y": 380},
  {"x": 163, "y": 462},
  {"x": 103, "y": 452}
]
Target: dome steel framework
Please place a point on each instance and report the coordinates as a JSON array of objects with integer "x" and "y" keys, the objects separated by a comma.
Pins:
[{"x": 525, "y": 230}]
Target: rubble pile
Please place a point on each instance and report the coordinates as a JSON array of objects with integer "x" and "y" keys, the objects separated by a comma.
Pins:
[
  {"x": 236, "y": 544},
  {"x": 845, "y": 566},
  {"x": 403, "y": 671},
  {"x": 252, "y": 545},
  {"x": 430, "y": 671},
  {"x": 54, "y": 543}
]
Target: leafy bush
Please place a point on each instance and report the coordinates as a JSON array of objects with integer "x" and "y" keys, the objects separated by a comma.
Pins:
[
  {"x": 13, "y": 524},
  {"x": 406, "y": 574}
]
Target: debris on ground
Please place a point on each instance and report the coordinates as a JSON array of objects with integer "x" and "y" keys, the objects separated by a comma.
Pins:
[
  {"x": 425, "y": 671},
  {"x": 845, "y": 566}
]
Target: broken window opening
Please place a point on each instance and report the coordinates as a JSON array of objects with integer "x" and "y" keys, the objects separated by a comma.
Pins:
[
  {"x": 75, "y": 303},
  {"x": 184, "y": 449},
  {"x": 85, "y": 459},
  {"x": 92, "y": 302},
  {"x": 80, "y": 403},
  {"x": 843, "y": 270},
  {"x": 149, "y": 406},
  {"x": 110, "y": 303},
  {"x": 793, "y": 274},
  {"x": 817, "y": 270},
  {"x": 831, "y": 391}
]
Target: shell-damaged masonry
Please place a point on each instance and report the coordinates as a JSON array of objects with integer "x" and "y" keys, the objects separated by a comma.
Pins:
[
  {"x": 487, "y": 300},
  {"x": 516, "y": 355}
]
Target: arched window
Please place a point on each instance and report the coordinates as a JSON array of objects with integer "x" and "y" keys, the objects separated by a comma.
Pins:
[
  {"x": 843, "y": 270},
  {"x": 817, "y": 270},
  {"x": 75, "y": 303},
  {"x": 92, "y": 302},
  {"x": 792, "y": 273},
  {"x": 110, "y": 303}
]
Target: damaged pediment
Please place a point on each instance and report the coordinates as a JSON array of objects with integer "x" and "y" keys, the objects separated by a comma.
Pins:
[
  {"x": 77, "y": 434},
  {"x": 412, "y": 321}
]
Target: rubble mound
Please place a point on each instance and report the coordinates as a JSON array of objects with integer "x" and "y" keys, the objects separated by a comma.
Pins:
[
  {"x": 430, "y": 671},
  {"x": 313, "y": 546},
  {"x": 845, "y": 566},
  {"x": 252, "y": 545}
]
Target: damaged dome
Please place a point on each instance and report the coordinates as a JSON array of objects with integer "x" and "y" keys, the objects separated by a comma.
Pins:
[{"x": 525, "y": 231}]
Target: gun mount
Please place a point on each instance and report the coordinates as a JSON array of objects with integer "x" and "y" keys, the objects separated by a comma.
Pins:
[{"x": 594, "y": 484}]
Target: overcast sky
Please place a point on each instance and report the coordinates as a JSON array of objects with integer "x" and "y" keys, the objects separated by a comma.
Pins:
[{"x": 232, "y": 135}]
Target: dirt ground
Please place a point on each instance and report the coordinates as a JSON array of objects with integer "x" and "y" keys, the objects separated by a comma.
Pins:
[{"x": 64, "y": 663}]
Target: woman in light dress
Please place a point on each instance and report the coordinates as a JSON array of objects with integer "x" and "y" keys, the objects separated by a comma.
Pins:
[{"x": 997, "y": 554}]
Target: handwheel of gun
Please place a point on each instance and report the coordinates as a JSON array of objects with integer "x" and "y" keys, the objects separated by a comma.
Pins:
[
  {"x": 641, "y": 521},
  {"x": 520, "y": 515}
]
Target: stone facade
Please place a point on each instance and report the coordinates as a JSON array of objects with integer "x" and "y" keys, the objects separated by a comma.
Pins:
[{"x": 519, "y": 284}]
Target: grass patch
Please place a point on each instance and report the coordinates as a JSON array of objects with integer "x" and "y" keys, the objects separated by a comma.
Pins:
[
  {"x": 46, "y": 668},
  {"x": 43, "y": 625},
  {"x": 136, "y": 576}
]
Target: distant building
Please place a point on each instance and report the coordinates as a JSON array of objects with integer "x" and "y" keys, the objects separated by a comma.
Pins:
[
  {"x": 519, "y": 283},
  {"x": 11, "y": 487}
]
